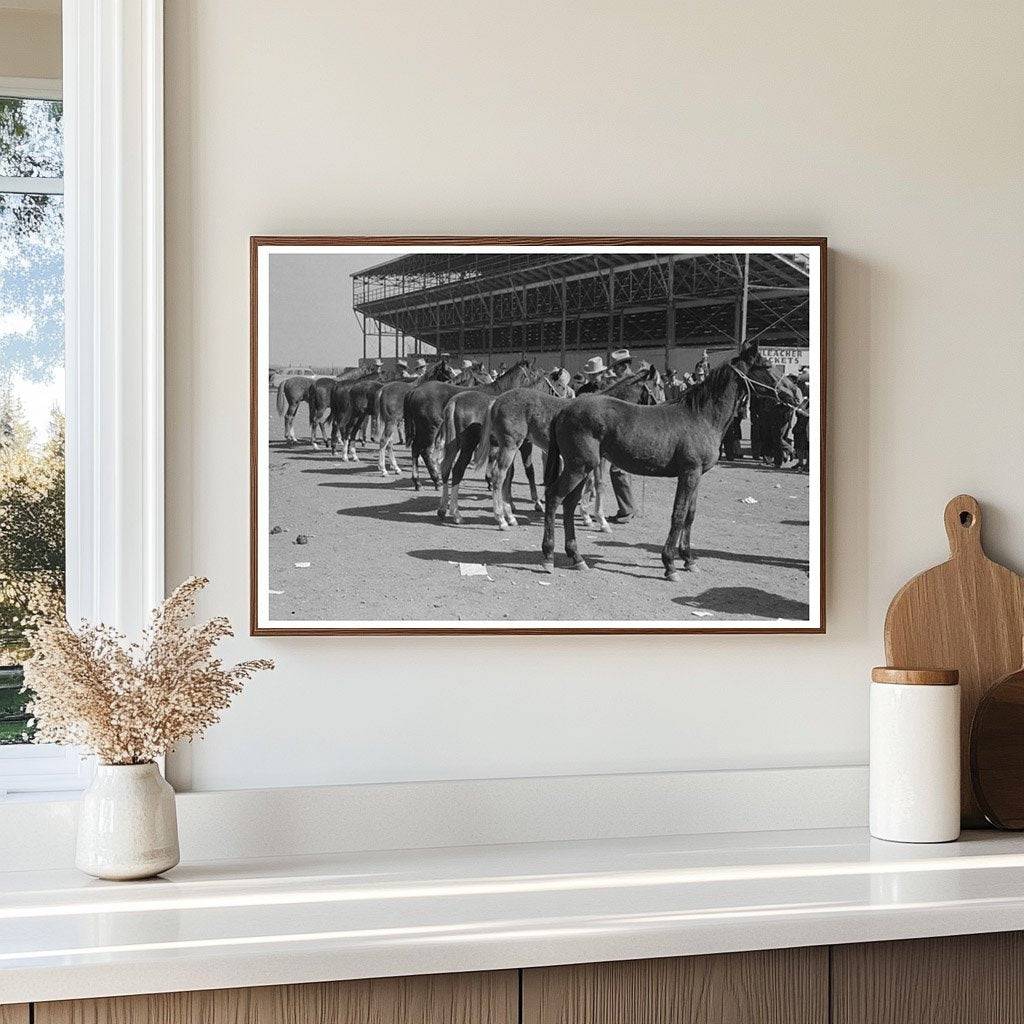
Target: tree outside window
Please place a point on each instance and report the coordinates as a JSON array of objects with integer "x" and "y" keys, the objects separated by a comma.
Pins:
[{"x": 32, "y": 552}]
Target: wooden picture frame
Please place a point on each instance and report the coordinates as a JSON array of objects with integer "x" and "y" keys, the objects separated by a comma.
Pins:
[{"x": 806, "y": 252}]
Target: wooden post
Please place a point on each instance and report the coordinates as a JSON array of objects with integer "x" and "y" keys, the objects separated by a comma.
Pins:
[
  {"x": 562, "y": 355},
  {"x": 522, "y": 336},
  {"x": 490, "y": 331},
  {"x": 363, "y": 318},
  {"x": 437, "y": 334},
  {"x": 380, "y": 340},
  {"x": 746, "y": 295},
  {"x": 611, "y": 313},
  {"x": 462, "y": 327},
  {"x": 670, "y": 312}
]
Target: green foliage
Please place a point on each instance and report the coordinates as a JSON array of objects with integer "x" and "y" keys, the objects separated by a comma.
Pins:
[{"x": 32, "y": 550}]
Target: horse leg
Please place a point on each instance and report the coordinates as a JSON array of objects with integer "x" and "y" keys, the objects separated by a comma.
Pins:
[
  {"x": 353, "y": 436},
  {"x": 446, "y": 473},
  {"x": 394, "y": 462},
  {"x": 602, "y": 523},
  {"x": 382, "y": 448},
  {"x": 686, "y": 491},
  {"x": 572, "y": 499},
  {"x": 430, "y": 461},
  {"x": 587, "y": 498},
  {"x": 335, "y": 434},
  {"x": 569, "y": 481},
  {"x": 685, "y": 551},
  {"x": 466, "y": 453},
  {"x": 289, "y": 423},
  {"x": 414, "y": 468},
  {"x": 526, "y": 452}
]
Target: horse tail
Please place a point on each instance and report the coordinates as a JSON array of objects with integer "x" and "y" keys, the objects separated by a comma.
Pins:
[
  {"x": 483, "y": 449},
  {"x": 410, "y": 423},
  {"x": 282, "y": 399},
  {"x": 378, "y": 414},
  {"x": 449, "y": 436},
  {"x": 552, "y": 465}
]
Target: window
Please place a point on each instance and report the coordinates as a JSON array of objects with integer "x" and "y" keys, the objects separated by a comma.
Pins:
[{"x": 32, "y": 514}]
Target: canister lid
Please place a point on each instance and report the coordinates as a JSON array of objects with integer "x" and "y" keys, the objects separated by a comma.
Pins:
[{"x": 916, "y": 676}]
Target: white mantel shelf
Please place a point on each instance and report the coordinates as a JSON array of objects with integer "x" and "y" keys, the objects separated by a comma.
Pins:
[{"x": 263, "y": 922}]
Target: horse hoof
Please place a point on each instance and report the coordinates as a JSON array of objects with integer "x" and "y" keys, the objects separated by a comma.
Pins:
[
  {"x": 671, "y": 575},
  {"x": 549, "y": 566},
  {"x": 512, "y": 521},
  {"x": 502, "y": 525},
  {"x": 580, "y": 563},
  {"x": 605, "y": 528},
  {"x": 457, "y": 519},
  {"x": 690, "y": 567},
  {"x": 538, "y": 507},
  {"x": 441, "y": 514}
]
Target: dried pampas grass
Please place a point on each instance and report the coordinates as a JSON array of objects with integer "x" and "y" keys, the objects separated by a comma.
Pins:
[{"x": 129, "y": 703}]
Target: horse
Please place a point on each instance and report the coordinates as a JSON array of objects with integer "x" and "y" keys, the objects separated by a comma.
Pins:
[
  {"x": 464, "y": 416},
  {"x": 680, "y": 439},
  {"x": 520, "y": 420},
  {"x": 291, "y": 393},
  {"x": 389, "y": 406},
  {"x": 424, "y": 412},
  {"x": 351, "y": 403}
]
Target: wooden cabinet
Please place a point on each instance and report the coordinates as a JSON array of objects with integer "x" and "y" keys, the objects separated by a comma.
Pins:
[
  {"x": 970, "y": 979},
  {"x": 490, "y": 998},
  {"x": 962, "y": 979},
  {"x": 776, "y": 986}
]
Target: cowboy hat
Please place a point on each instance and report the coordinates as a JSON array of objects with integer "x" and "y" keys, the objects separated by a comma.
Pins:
[
  {"x": 420, "y": 364},
  {"x": 592, "y": 367},
  {"x": 467, "y": 364},
  {"x": 560, "y": 375},
  {"x": 378, "y": 362},
  {"x": 620, "y": 355},
  {"x": 402, "y": 362}
]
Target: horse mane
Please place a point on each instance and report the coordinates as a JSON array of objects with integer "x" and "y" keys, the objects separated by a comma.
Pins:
[
  {"x": 634, "y": 378},
  {"x": 698, "y": 397},
  {"x": 512, "y": 369}
]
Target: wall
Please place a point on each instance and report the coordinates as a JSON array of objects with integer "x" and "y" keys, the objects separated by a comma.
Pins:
[
  {"x": 30, "y": 40},
  {"x": 895, "y": 129}
]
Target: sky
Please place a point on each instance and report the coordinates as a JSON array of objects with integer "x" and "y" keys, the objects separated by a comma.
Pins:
[{"x": 311, "y": 318}]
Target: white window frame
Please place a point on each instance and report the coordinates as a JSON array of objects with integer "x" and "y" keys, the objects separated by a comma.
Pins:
[{"x": 114, "y": 324}]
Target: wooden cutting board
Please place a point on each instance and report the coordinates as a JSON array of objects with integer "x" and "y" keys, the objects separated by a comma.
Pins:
[{"x": 967, "y": 614}]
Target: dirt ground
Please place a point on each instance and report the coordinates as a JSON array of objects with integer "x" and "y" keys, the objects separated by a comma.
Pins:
[{"x": 377, "y": 550}]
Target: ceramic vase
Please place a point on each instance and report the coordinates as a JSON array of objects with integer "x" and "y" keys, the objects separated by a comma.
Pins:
[{"x": 127, "y": 825}]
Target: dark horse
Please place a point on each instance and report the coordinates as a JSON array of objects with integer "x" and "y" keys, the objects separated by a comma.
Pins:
[
  {"x": 351, "y": 403},
  {"x": 464, "y": 416},
  {"x": 680, "y": 439},
  {"x": 424, "y": 413},
  {"x": 291, "y": 393},
  {"x": 389, "y": 407}
]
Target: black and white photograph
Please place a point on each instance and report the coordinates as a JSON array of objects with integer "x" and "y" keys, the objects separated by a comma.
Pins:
[{"x": 557, "y": 435}]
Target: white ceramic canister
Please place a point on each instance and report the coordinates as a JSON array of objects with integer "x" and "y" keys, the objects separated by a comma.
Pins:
[
  {"x": 915, "y": 755},
  {"x": 127, "y": 825}
]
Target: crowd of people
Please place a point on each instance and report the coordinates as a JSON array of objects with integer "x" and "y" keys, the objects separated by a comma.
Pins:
[{"x": 779, "y": 435}]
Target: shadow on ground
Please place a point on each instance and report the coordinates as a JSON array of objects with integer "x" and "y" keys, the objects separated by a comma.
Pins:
[{"x": 746, "y": 601}]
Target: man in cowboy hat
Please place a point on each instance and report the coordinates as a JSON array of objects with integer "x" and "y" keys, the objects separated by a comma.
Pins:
[
  {"x": 560, "y": 378},
  {"x": 594, "y": 371},
  {"x": 621, "y": 365}
]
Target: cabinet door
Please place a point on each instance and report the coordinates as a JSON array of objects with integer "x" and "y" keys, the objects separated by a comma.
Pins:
[
  {"x": 962, "y": 979},
  {"x": 778, "y": 986},
  {"x": 482, "y": 998},
  {"x": 14, "y": 1013}
]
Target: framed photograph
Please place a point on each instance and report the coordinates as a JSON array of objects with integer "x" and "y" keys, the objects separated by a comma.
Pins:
[{"x": 537, "y": 435}]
